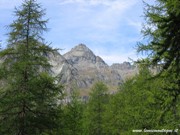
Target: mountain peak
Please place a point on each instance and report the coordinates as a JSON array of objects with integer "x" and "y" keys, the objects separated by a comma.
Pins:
[
  {"x": 82, "y": 54},
  {"x": 81, "y": 48},
  {"x": 122, "y": 66},
  {"x": 82, "y": 66}
]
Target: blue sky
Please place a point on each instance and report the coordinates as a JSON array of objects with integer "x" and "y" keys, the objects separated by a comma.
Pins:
[{"x": 110, "y": 28}]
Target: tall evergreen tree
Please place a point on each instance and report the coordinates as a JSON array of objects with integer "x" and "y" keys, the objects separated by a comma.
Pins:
[
  {"x": 134, "y": 106},
  {"x": 73, "y": 114},
  {"x": 163, "y": 47},
  {"x": 96, "y": 108},
  {"x": 29, "y": 94}
]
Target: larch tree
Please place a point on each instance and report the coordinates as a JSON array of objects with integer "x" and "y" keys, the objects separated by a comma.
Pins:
[
  {"x": 163, "y": 47},
  {"x": 134, "y": 106},
  {"x": 95, "y": 111},
  {"x": 29, "y": 95},
  {"x": 73, "y": 114}
]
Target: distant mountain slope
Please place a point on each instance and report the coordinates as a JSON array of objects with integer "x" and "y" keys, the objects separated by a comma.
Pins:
[
  {"x": 125, "y": 69},
  {"x": 81, "y": 67}
]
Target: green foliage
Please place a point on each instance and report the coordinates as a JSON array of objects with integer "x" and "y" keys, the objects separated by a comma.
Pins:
[
  {"x": 134, "y": 106},
  {"x": 163, "y": 31},
  {"x": 29, "y": 95},
  {"x": 31, "y": 98},
  {"x": 96, "y": 107},
  {"x": 73, "y": 114}
]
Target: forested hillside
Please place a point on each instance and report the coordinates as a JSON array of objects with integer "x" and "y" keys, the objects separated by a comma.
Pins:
[{"x": 32, "y": 100}]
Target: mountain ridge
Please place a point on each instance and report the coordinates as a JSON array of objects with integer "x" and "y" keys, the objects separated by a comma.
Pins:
[{"x": 81, "y": 68}]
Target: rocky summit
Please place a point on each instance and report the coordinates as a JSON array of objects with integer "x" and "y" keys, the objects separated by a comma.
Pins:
[{"x": 81, "y": 68}]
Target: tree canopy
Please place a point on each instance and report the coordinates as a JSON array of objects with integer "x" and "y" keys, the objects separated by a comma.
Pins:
[
  {"x": 162, "y": 29},
  {"x": 29, "y": 95}
]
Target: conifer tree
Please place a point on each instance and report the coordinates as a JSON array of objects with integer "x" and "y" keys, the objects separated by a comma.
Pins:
[
  {"x": 163, "y": 48},
  {"x": 73, "y": 114},
  {"x": 134, "y": 105},
  {"x": 29, "y": 94},
  {"x": 96, "y": 108}
]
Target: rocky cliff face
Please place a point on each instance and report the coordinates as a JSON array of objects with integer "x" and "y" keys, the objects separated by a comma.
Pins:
[
  {"x": 83, "y": 57},
  {"x": 81, "y": 67},
  {"x": 61, "y": 68},
  {"x": 125, "y": 69}
]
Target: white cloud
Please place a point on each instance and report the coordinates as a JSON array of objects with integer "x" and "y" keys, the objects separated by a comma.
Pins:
[
  {"x": 96, "y": 2},
  {"x": 107, "y": 17},
  {"x": 98, "y": 20},
  {"x": 9, "y": 4},
  {"x": 136, "y": 24},
  {"x": 99, "y": 23},
  {"x": 119, "y": 58}
]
